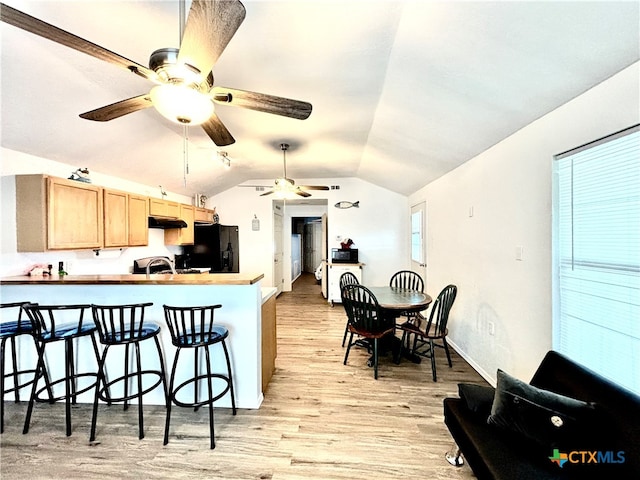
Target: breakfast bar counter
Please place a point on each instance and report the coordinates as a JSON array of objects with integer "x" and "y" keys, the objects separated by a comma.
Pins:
[
  {"x": 240, "y": 295},
  {"x": 138, "y": 279}
]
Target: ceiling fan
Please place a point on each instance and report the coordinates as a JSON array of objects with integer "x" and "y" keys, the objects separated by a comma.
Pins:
[
  {"x": 285, "y": 187},
  {"x": 184, "y": 91}
]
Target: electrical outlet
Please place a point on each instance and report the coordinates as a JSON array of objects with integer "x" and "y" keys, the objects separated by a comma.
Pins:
[{"x": 492, "y": 328}]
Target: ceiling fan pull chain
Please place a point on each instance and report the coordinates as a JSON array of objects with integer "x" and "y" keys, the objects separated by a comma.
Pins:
[{"x": 185, "y": 152}]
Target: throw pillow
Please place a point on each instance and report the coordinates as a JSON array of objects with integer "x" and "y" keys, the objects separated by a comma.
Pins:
[
  {"x": 544, "y": 417},
  {"x": 477, "y": 398}
]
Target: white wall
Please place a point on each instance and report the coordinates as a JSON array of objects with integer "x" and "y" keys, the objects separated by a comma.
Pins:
[
  {"x": 379, "y": 228},
  {"x": 109, "y": 261},
  {"x": 509, "y": 187}
]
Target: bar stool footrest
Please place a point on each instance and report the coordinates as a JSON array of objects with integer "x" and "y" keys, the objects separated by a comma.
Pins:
[
  {"x": 19, "y": 374},
  {"x": 40, "y": 399},
  {"x": 124, "y": 378},
  {"x": 207, "y": 401}
]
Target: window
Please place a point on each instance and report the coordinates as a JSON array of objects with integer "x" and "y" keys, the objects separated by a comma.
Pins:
[{"x": 596, "y": 308}]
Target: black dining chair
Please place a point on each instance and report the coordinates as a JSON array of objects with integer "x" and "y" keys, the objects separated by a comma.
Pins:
[
  {"x": 347, "y": 278},
  {"x": 427, "y": 331},
  {"x": 409, "y": 280},
  {"x": 365, "y": 319}
]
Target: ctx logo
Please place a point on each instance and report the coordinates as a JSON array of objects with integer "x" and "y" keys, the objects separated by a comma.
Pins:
[{"x": 586, "y": 456}]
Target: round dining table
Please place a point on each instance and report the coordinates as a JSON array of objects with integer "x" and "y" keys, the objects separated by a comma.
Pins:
[
  {"x": 396, "y": 301},
  {"x": 393, "y": 302}
]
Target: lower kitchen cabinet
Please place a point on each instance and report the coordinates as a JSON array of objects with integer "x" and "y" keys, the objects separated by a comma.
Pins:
[{"x": 269, "y": 339}]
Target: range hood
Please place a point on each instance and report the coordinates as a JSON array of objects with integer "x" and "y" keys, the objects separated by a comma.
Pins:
[{"x": 160, "y": 222}]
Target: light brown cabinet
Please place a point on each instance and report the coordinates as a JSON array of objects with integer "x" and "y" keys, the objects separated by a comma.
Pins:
[
  {"x": 125, "y": 219},
  {"x": 116, "y": 218},
  {"x": 182, "y": 236},
  {"x": 269, "y": 341},
  {"x": 60, "y": 214},
  {"x": 203, "y": 215},
  {"x": 138, "y": 220},
  {"x": 163, "y": 208},
  {"x": 57, "y": 214}
]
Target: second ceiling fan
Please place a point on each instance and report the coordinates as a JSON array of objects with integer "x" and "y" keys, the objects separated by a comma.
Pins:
[
  {"x": 184, "y": 91},
  {"x": 285, "y": 186}
]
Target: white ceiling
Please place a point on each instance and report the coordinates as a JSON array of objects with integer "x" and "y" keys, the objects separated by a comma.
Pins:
[{"x": 402, "y": 91}]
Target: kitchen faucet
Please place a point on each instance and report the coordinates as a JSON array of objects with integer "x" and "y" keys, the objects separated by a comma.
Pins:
[{"x": 155, "y": 260}]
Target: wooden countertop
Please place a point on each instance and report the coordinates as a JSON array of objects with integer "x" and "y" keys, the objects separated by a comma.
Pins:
[{"x": 130, "y": 279}]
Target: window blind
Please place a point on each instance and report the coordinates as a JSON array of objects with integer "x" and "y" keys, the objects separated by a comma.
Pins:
[{"x": 596, "y": 308}]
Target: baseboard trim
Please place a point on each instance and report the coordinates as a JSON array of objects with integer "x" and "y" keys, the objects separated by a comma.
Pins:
[{"x": 488, "y": 377}]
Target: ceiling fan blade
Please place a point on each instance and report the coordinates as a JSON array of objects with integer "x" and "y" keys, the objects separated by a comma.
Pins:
[
  {"x": 45, "y": 30},
  {"x": 217, "y": 131},
  {"x": 302, "y": 193},
  {"x": 118, "y": 109},
  {"x": 267, "y": 193},
  {"x": 262, "y": 102},
  {"x": 210, "y": 26},
  {"x": 313, "y": 187}
]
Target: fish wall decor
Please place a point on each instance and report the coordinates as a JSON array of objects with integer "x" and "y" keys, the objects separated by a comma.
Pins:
[{"x": 344, "y": 204}]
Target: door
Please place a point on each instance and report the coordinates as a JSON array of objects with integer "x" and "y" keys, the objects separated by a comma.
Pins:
[
  {"x": 324, "y": 256},
  {"x": 278, "y": 251},
  {"x": 316, "y": 251},
  {"x": 419, "y": 240},
  {"x": 308, "y": 249}
]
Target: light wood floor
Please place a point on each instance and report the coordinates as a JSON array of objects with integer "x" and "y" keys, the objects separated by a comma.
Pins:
[{"x": 320, "y": 419}]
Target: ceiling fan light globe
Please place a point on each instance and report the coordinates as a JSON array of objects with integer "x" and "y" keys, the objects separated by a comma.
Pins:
[{"x": 182, "y": 104}]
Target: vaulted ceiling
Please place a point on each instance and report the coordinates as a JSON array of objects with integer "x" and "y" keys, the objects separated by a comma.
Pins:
[{"x": 402, "y": 91}]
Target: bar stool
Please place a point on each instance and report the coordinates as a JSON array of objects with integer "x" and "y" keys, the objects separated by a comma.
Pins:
[
  {"x": 193, "y": 328},
  {"x": 125, "y": 326},
  {"x": 11, "y": 330},
  {"x": 60, "y": 323}
]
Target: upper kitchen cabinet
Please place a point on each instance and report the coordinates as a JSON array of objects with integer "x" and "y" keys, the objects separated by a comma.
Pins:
[
  {"x": 57, "y": 214},
  {"x": 182, "y": 236},
  {"x": 163, "y": 208},
  {"x": 125, "y": 219},
  {"x": 138, "y": 220},
  {"x": 116, "y": 218},
  {"x": 204, "y": 215}
]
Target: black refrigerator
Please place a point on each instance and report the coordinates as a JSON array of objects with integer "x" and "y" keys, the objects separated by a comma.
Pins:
[{"x": 215, "y": 247}]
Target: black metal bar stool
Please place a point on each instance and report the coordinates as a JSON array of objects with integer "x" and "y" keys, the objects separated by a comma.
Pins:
[
  {"x": 193, "y": 328},
  {"x": 19, "y": 325},
  {"x": 126, "y": 326},
  {"x": 60, "y": 323}
]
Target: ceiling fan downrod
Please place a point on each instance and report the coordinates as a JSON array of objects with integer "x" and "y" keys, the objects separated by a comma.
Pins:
[{"x": 284, "y": 147}]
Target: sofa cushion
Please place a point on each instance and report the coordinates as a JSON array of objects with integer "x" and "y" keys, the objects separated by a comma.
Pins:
[
  {"x": 546, "y": 418},
  {"x": 477, "y": 398}
]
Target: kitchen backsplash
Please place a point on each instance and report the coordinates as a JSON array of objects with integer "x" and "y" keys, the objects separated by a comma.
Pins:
[{"x": 86, "y": 262}]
